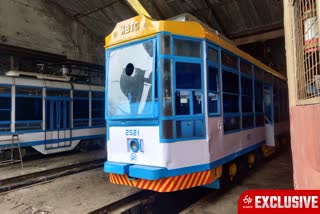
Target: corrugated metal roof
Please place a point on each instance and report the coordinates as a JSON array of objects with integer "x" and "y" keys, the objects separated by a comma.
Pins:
[{"x": 233, "y": 18}]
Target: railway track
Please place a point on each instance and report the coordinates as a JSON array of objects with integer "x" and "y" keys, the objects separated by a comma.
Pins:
[{"x": 9, "y": 184}]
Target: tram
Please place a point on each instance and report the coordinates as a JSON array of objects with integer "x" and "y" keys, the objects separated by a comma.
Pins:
[{"x": 185, "y": 107}]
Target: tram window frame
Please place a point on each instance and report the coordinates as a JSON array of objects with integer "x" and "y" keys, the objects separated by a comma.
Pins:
[
  {"x": 97, "y": 121},
  {"x": 79, "y": 96},
  {"x": 247, "y": 94},
  {"x": 32, "y": 121},
  {"x": 233, "y": 92},
  {"x": 5, "y": 109},
  {"x": 258, "y": 97},
  {"x": 192, "y": 91},
  {"x": 213, "y": 74}
]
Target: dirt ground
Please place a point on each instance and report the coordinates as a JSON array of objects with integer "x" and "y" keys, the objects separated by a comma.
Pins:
[{"x": 78, "y": 193}]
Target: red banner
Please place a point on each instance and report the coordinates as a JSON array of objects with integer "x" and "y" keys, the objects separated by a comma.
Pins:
[{"x": 279, "y": 201}]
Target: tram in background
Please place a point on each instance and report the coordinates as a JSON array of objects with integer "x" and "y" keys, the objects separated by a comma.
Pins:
[
  {"x": 49, "y": 113},
  {"x": 185, "y": 107}
]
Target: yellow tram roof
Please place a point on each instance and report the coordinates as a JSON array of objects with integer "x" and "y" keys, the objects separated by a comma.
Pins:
[{"x": 140, "y": 27}]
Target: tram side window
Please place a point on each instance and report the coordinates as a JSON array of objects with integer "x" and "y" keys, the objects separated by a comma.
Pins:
[
  {"x": 5, "y": 108},
  {"x": 28, "y": 108},
  {"x": 213, "y": 82},
  {"x": 80, "y": 109},
  {"x": 276, "y": 103},
  {"x": 231, "y": 92},
  {"x": 258, "y": 92},
  {"x": 188, "y": 88},
  {"x": 187, "y": 48},
  {"x": 166, "y": 76},
  {"x": 247, "y": 102},
  {"x": 97, "y": 109}
]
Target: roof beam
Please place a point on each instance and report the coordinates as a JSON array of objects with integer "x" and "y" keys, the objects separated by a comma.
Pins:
[
  {"x": 137, "y": 6},
  {"x": 259, "y": 37}
]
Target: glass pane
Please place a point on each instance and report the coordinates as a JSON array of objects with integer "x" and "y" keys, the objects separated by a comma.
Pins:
[
  {"x": 229, "y": 60},
  {"x": 187, "y": 48},
  {"x": 182, "y": 102},
  {"x": 197, "y": 102},
  {"x": 167, "y": 129},
  {"x": 29, "y": 91},
  {"x": 231, "y": 123},
  {"x": 246, "y": 103},
  {"x": 247, "y": 122},
  {"x": 213, "y": 80},
  {"x": 230, "y": 82},
  {"x": 213, "y": 102},
  {"x": 28, "y": 126},
  {"x": 259, "y": 120},
  {"x": 5, "y": 103},
  {"x": 212, "y": 54},
  {"x": 166, "y": 87},
  {"x": 28, "y": 108},
  {"x": 130, "y": 80},
  {"x": 57, "y": 93},
  {"x": 5, "y": 89},
  {"x": 4, "y": 127},
  {"x": 97, "y": 94},
  {"x": 245, "y": 68},
  {"x": 258, "y": 93},
  {"x": 83, "y": 94},
  {"x": 258, "y": 73},
  {"x": 246, "y": 86},
  {"x": 80, "y": 109},
  {"x": 5, "y": 115},
  {"x": 188, "y": 75},
  {"x": 230, "y": 103},
  {"x": 165, "y": 44}
]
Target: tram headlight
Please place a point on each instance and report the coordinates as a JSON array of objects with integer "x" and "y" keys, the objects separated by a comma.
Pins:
[{"x": 134, "y": 145}]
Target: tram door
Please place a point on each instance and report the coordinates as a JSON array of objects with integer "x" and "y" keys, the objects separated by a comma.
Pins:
[
  {"x": 268, "y": 114},
  {"x": 57, "y": 123}
]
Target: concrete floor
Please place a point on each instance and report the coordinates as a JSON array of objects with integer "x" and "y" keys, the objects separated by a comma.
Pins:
[
  {"x": 51, "y": 162},
  {"x": 275, "y": 174}
]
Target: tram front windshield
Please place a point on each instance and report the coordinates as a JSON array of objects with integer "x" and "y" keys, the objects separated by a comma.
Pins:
[{"x": 129, "y": 83}]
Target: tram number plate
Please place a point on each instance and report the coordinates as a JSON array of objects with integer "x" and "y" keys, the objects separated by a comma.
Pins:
[{"x": 132, "y": 132}]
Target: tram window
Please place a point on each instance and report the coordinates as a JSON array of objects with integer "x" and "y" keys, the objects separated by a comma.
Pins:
[
  {"x": 165, "y": 44},
  {"x": 97, "y": 94},
  {"x": 229, "y": 60},
  {"x": 259, "y": 120},
  {"x": 247, "y": 122},
  {"x": 213, "y": 79},
  {"x": 197, "y": 102},
  {"x": 5, "y": 108},
  {"x": 57, "y": 93},
  {"x": 231, "y": 123},
  {"x": 29, "y": 91},
  {"x": 97, "y": 109},
  {"x": 182, "y": 102},
  {"x": 213, "y": 90},
  {"x": 212, "y": 54},
  {"x": 247, "y": 94},
  {"x": 258, "y": 73},
  {"x": 276, "y": 105},
  {"x": 81, "y": 109},
  {"x": 28, "y": 113},
  {"x": 230, "y": 82},
  {"x": 258, "y": 92},
  {"x": 167, "y": 129},
  {"x": 5, "y": 90},
  {"x": 166, "y": 87},
  {"x": 188, "y": 48},
  {"x": 188, "y": 75},
  {"x": 230, "y": 103},
  {"x": 245, "y": 68},
  {"x": 80, "y": 94}
]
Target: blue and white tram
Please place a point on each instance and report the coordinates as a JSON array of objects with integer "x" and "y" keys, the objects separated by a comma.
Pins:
[
  {"x": 185, "y": 107},
  {"x": 50, "y": 116}
]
